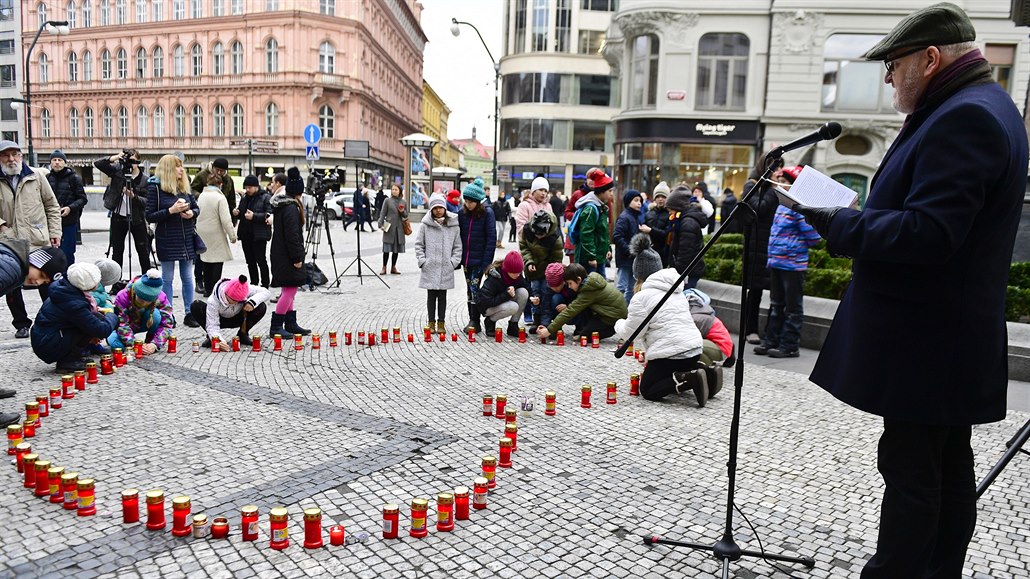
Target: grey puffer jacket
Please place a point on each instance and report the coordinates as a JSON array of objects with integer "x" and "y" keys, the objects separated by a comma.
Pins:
[{"x": 438, "y": 251}]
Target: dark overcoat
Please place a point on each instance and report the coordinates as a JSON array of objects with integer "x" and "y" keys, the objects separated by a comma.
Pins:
[
  {"x": 174, "y": 233},
  {"x": 920, "y": 334},
  {"x": 287, "y": 245}
]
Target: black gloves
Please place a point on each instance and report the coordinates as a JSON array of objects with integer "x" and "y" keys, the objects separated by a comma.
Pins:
[{"x": 818, "y": 217}]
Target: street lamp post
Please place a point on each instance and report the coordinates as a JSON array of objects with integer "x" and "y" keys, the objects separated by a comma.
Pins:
[
  {"x": 55, "y": 27},
  {"x": 455, "y": 30}
]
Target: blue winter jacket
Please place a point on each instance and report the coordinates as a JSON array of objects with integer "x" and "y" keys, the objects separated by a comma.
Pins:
[
  {"x": 65, "y": 321},
  {"x": 626, "y": 226},
  {"x": 174, "y": 235},
  {"x": 789, "y": 240},
  {"x": 478, "y": 238}
]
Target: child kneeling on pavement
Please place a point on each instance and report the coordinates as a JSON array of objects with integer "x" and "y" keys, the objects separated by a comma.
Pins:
[
  {"x": 598, "y": 305},
  {"x": 504, "y": 293},
  {"x": 671, "y": 340},
  {"x": 556, "y": 296},
  {"x": 69, "y": 320},
  {"x": 233, "y": 304},
  {"x": 142, "y": 306}
]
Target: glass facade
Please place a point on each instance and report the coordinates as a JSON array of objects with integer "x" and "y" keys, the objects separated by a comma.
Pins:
[
  {"x": 549, "y": 87},
  {"x": 643, "y": 165}
]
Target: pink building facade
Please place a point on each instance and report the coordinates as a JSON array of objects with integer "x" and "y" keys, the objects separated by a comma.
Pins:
[{"x": 204, "y": 76}]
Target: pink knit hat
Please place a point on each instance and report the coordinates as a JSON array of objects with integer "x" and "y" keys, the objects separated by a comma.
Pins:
[
  {"x": 512, "y": 263},
  {"x": 237, "y": 289},
  {"x": 555, "y": 274}
]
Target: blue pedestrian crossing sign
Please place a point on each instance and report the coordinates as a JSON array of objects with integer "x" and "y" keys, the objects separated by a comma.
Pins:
[
  {"x": 312, "y": 134},
  {"x": 312, "y": 153}
]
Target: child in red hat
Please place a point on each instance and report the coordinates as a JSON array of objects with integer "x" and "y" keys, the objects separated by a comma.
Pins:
[{"x": 504, "y": 293}]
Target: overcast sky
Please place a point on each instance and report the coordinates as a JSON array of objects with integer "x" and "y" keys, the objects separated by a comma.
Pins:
[{"x": 458, "y": 68}]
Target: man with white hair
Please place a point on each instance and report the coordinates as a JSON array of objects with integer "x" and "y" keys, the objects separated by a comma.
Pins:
[{"x": 28, "y": 210}]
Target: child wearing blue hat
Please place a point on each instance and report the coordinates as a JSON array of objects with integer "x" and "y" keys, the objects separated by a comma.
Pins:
[{"x": 143, "y": 307}]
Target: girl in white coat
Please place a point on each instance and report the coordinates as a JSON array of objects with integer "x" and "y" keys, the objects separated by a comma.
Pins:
[
  {"x": 438, "y": 251},
  {"x": 671, "y": 340}
]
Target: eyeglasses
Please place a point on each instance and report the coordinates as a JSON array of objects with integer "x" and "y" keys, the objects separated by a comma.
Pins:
[{"x": 890, "y": 64}]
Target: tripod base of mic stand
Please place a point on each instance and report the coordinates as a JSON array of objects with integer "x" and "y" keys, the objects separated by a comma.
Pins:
[
  {"x": 359, "y": 275},
  {"x": 726, "y": 550}
]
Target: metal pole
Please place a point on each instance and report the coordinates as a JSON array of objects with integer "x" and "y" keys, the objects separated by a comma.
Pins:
[
  {"x": 28, "y": 85},
  {"x": 250, "y": 154},
  {"x": 497, "y": 118}
]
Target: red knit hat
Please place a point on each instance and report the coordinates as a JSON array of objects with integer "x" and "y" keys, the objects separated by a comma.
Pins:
[
  {"x": 555, "y": 274},
  {"x": 598, "y": 181},
  {"x": 453, "y": 196},
  {"x": 512, "y": 263},
  {"x": 792, "y": 173}
]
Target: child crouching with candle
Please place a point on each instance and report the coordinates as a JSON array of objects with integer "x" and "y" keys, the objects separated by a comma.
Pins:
[
  {"x": 143, "y": 307},
  {"x": 504, "y": 293},
  {"x": 596, "y": 307},
  {"x": 672, "y": 341}
]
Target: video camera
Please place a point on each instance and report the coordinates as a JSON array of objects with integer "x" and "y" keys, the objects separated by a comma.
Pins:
[
  {"x": 322, "y": 182},
  {"x": 125, "y": 163}
]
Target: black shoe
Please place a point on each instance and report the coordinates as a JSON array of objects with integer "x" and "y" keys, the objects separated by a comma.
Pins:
[
  {"x": 277, "y": 327},
  {"x": 71, "y": 366},
  {"x": 7, "y": 419},
  {"x": 22, "y": 333},
  {"x": 490, "y": 326},
  {"x": 190, "y": 322},
  {"x": 782, "y": 353},
  {"x": 763, "y": 349},
  {"x": 290, "y": 324},
  {"x": 5, "y": 393},
  {"x": 206, "y": 343},
  {"x": 200, "y": 289},
  {"x": 513, "y": 329},
  {"x": 245, "y": 339},
  {"x": 713, "y": 375},
  {"x": 694, "y": 380}
]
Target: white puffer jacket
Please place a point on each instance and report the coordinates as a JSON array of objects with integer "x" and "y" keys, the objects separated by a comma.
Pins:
[{"x": 671, "y": 333}]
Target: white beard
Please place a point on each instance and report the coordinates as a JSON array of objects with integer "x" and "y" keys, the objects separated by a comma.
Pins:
[{"x": 11, "y": 169}]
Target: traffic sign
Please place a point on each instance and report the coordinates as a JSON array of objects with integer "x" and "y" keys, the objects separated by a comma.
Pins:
[
  {"x": 268, "y": 150},
  {"x": 312, "y": 152},
  {"x": 312, "y": 134},
  {"x": 239, "y": 142}
]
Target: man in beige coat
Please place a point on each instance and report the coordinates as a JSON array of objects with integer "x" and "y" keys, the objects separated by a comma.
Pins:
[{"x": 28, "y": 210}]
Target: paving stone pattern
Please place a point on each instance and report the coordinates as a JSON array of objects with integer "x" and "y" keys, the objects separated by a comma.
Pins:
[{"x": 352, "y": 428}]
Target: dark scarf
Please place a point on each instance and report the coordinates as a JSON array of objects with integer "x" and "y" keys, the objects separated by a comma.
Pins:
[{"x": 971, "y": 69}]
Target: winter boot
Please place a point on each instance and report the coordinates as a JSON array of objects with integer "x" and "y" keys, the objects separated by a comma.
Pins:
[
  {"x": 277, "y": 327},
  {"x": 290, "y": 324},
  {"x": 513, "y": 329},
  {"x": 489, "y": 325},
  {"x": 713, "y": 375},
  {"x": 441, "y": 327},
  {"x": 694, "y": 380},
  {"x": 244, "y": 338},
  {"x": 473, "y": 324}
]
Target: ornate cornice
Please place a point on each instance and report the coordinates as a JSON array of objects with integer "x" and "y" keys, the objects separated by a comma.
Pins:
[
  {"x": 637, "y": 23},
  {"x": 797, "y": 32}
]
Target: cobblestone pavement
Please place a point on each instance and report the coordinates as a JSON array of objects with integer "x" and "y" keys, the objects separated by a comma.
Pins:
[{"x": 352, "y": 428}]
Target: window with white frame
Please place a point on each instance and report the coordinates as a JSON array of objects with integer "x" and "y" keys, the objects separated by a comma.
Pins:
[
  {"x": 327, "y": 7},
  {"x": 540, "y": 25},
  {"x": 218, "y": 114},
  {"x": 87, "y": 65},
  {"x": 196, "y": 60},
  {"x": 73, "y": 67},
  {"x": 141, "y": 12},
  {"x": 44, "y": 68},
  {"x": 41, "y": 10},
  {"x": 178, "y": 9},
  {"x": 218, "y": 59},
  {"x": 327, "y": 58},
  {"x": 850, "y": 83},
  {"x": 236, "y": 120},
  {"x": 141, "y": 62},
  {"x": 722, "y": 61},
  {"x": 158, "y": 58},
  {"x": 89, "y": 122},
  {"x": 159, "y": 121},
  {"x": 271, "y": 5},
  {"x": 105, "y": 12},
  {"x": 105, "y": 65},
  {"x": 272, "y": 120},
  {"x": 643, "y": 71},
  {"x": 236, "y": 58},
  {"x": 123, "y": 122},
  {"x": 196, "y": 9},
  {"x": 122, "y": 63},
  {"x": 217, "y": 7},
  {"x": 142, "y": 122},
  {"x": 158, "y": 9},
  {"x": 327, "y": 121},
  {"x": 73, "y": 122},
  {"x": 121, "y": 12},
  {"x": 179, "y": 121},
  {"x": 87, "y": 13},
  {"x": 563, "y": 26},
  {"x": 44, "y": 117},
  {"x": 272, "y": 55},
  {"x": 72, "y": 13},
  {"x": 107, "y": 122},
  {"x": 178, "y": 61},
  {"x": 197, "y": 121},
  {"x": 236, "y": 7}
]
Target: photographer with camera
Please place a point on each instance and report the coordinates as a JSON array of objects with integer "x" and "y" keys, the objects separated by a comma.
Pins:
[{"x": 126, "y": 201}]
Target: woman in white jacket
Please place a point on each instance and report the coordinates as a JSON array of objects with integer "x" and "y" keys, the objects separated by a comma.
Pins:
[
  {"x": 214, "y": 226},
  {"x": 672, "y": 342}
]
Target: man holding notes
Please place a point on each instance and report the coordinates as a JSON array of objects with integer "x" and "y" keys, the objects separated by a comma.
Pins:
[{"x": 936, "y": 233}]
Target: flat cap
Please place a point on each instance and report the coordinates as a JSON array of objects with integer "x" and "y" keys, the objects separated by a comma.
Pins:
[{"x": 937, "y": 25}]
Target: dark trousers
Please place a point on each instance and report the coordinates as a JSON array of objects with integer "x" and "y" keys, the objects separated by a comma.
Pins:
[
  {"x": 656, "y": 381},
  {"x": 786, "y": 310},
  {"x": 928, "y": 511},
  {"x": 16, "y": 303},
  {"x": 120, "y": 226},
  {"x": 436, "y": 305},
  {"x": 256, "y": 254},
  {"x": 591, "y": 322},
  {"x": 199, "y": 311},
  {"x": 212, "y": 273},
  {"x": 69, "y": 237},
  {"x": 198, "y": 274}
]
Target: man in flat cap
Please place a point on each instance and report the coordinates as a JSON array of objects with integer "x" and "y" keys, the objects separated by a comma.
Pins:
[{"x": 935, "y": 236}]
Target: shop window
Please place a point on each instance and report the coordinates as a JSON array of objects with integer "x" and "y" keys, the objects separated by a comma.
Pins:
[
  {"x": 1001, "y": 57},
  {"x": 643, "y": 71},
  {"x": 722, "y": 71},
  {"x": 850, "y": 83}
]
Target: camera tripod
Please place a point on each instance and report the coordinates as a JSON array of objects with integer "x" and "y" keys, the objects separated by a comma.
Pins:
[
  {"x": 1014, "y": 445},
  {"x": 319, "y": 220}
]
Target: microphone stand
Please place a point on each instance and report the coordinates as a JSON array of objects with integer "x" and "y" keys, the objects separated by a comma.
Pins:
[{"x": 726, "y": 548}]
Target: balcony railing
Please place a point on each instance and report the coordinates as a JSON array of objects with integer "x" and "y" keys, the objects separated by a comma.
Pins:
[{"x": 234, "y": 81}]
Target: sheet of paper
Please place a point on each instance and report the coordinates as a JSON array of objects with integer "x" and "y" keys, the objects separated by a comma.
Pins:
[{"x": 815, "y": 189}]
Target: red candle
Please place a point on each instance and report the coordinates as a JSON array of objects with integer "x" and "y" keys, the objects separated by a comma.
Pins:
[
  {"x": 298, "y": 342},
  {"x": 595, "y": 340},
  {"x": 396, "y": 335},
  {"x": 173, "y": 345},
  {"x": 502, "y": 401},
  {"x": 584, "y": 398},
  {"x": 119, "y": 358},
  {"x": 106, "y": 366},
  {"x": 219, "y": 528},
  {"x": 80, "y": 380},
  {"x": 216, "y": 344},
  {"x": 472, "y": 336},
  {"x": 347, "y": 339},
  {"x": 488, "y": 405},
  {"x": 28, "y": 429},
  {"x": 332, "y": 344},
  {"x": 67, "y": 386},
  {"x": 316, "y": 341},
  {"x": 560, "y": 339},
  {"x": 522, "y": 335},
  {"x": 54, "y": 475},
  {"x": 371, "y": 339},
  {"x": 91, "y": 373},
  {"x": 156, "y": 510},
  {"x": 42, "y": 479},
  {"x": 461, "y": 503},
  {"x": 511, "y": 430},
  {"x": 361, "y": 338},
  {"x": 498, "y": 336},
  {"x": 181, "y": 526},
  {"x": 444, "y": 512},
  {"x": 14, "y": 438},
  {"x": 55, "y": 398},
  {"x": 419, "y": 528},
  {"x": 235, "y": 343},
  {"x": 611, "y": 393},
  {"x": 490, "y": 471},
  {"x": 391, "y": 520},
  {"x": 480, "y": 488},
  {"x": 642, "y": 358},
  {"x": 629, "y": 349},
  {"x": 505, "y": 460},
  {"x": 137, "y": 348},
  {"x": 384, "y": 335},
  {"x": 70, "y": 486},
  {"x": 427, "y": 334},
  {"x": 411, "y": 338},
  {"x": 454, "y": 337},
  {"x": 28, "y": 463},
  {"x": 510, "y": 415},
  {"x": 249, "y": 522},
  {"x": 312, "y": 528},
  {"x": 583, "y": 341},
  {"x": 130, "y": 506},
  {"x": 277, "y": 519},
  {"x": 337, "y": 535},
  {"x": 550, "y": 403},
  {"x": 19, "y": 455},
  {"x": 255, "y": 343},
  {"x": 277, "y": 343},
  {"x": 443, "y": 336},
  {"x": 634, "y": 384},
  {"x": 87, "y": 506}
]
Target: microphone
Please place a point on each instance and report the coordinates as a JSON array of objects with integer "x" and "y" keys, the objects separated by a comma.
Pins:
[{"x": 826, "y": 132}]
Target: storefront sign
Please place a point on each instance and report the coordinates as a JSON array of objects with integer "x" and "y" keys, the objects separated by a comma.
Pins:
[{"x": 686, "y": 130}]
